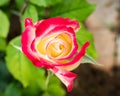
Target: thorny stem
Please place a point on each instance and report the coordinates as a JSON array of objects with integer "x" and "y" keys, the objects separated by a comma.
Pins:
[
  {"x": 23, "y": 9},
  {"x": 20, "y": 14}
]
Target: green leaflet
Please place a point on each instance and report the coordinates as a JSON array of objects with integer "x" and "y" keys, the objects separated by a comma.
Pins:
[
  {"x": 2, "y": 44},
  {"x": 12, "y": 90},
  {"x": 45, "y": 3},
  {"x": 78, "y": 9},
  {"x": 4, "y": 2},
  {"x": 21, "y": 68},
  {"x": 20, "y": 4},
  {"x": 4, "y": 28},
  {"x": 55, "y": 85},
  {"x": 89, "y": 59},
  {"x": 84, "y": 35}
]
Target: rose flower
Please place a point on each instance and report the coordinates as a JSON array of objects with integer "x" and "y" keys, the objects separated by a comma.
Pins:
[{"x": 52, "y": 44}]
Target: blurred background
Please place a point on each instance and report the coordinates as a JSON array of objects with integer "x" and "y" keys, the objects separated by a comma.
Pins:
[{"x": 93, "y": 80}]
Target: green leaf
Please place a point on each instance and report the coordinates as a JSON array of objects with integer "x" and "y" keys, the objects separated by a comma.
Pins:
[
  {"x": 84, "y": 35},
  {"x": 89, "y": 59},
  {"x": 54, "y": 80},
  {"x": 30, "y": 12},
  {"x": 20, "y": 4},
  {"x": 12, "y": 90},
  {"x": 4, "y": 24},
  {"x": 78, "y": 9},
  {"x": 54, "y": 88},
  {"x": 22, "y": 69},
  {"x": 1, "y": 94},
  {"x": 41, "y": 12},
  {"x": 45, "y": 3},
  {"x": 4, "y": 74},
  {"x": 2, "y": 44},
  {"x": 46, "y": 94},
  {"x": 3, "y": 70},
  {"x": 4, "y": 2}
]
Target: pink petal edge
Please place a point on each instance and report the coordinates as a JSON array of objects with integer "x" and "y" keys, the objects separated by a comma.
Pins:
[
  {"x": 48, "y": 24},
  {"x": 28, "y": 37},
  {"x": 66, "y": 77}
]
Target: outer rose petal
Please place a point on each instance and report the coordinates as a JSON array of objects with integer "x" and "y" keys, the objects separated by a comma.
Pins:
[
  {"x": 28, "y": 22},
  {"x": 66, "y": 77},
  {"x": 28, "y": 37},
  {"x": 47, "y": 25}
]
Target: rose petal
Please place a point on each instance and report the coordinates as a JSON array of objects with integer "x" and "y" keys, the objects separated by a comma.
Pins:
[
  {"x": 28, "y": 22},
  {"x": 66, "y": 77},
  {"x": 47, "y": 25},
  {"x": 28, "y": 37}
]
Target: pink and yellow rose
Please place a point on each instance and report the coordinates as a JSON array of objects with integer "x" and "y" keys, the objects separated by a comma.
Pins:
[{"x": 51, "y": 44}]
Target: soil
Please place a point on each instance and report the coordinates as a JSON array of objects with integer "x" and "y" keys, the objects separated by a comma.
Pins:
[{"x": 92, "y": 81}]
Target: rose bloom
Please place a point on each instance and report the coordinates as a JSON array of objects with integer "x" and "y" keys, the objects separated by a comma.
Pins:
[{"x": 51, "y": 44}]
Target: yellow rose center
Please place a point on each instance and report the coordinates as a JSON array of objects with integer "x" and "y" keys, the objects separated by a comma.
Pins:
[{"x": 55, "y": 46}]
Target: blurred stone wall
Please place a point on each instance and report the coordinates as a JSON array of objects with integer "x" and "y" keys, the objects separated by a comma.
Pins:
[{"x": 104, "y": 24}]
